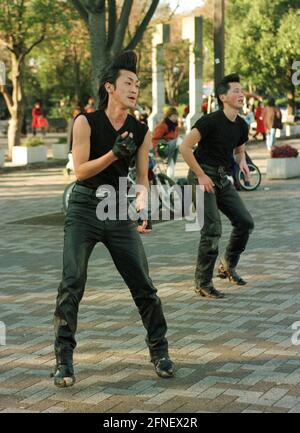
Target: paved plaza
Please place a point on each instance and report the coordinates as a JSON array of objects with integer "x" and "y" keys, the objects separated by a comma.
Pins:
[{"x": 232, "y": 355}]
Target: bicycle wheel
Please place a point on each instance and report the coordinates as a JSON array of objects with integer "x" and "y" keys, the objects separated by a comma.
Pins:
[
  {"x": 255, "y": 178},
  {"x": 66, "y": 196}
]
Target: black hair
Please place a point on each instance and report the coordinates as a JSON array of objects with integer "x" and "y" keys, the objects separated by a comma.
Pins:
[
  {"x": 271, "y": 102},
  {"x": 170, "y": 112},
  {"x": 223, "y": 86},
  {"x": 127, "y": 61}
]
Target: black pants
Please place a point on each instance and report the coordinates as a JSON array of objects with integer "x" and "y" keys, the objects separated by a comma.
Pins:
[
  {"x": 227, "y": 200},
  {"x": 82, "y": 231}
]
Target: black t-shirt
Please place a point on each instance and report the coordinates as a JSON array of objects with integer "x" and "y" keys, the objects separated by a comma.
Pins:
[
  {"x": 219, "y": 136},
  {"x": 103, "y": 136}
]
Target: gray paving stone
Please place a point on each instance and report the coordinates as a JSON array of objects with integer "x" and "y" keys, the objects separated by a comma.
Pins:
[{"x": 232, "y": 355}]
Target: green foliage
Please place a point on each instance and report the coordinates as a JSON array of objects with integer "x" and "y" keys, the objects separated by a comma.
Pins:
[
  {"x": 262, "y": 41},
  {"x": 61, "y": 109},
  {"x": 24, "y": 21},
  {"x": 33, "y": 142},
  {"x": 62, "y": 74}
]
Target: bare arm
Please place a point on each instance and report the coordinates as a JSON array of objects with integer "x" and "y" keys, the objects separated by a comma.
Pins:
[
  {"x": 142, "y": 160},
  {"x": 84, "y": 168},
  {"x": 240, "y": 159},
  {"x": 186, "y": 149},
  {"x": 239, "y": 154}
]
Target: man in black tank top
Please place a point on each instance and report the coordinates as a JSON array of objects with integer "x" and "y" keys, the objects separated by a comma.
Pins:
[
  {"x": 104, "y": 143},
  {"x": 219, "y": 135}
]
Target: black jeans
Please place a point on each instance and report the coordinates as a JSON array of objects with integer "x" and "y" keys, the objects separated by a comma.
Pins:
[
  {"x": 82, "y": 231},
  {"x": 227, "y": 200}
]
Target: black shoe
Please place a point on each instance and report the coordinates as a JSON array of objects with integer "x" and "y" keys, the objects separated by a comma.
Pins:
[
  {"x": 64, "y": 375},
  {"x": 164, "y": 367},
  {"x": 209, "y": 292},
  {"x": 231, "y": 275}
]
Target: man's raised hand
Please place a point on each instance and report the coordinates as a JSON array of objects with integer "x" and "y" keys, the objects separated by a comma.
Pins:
[{"x": 124, "y": 146}]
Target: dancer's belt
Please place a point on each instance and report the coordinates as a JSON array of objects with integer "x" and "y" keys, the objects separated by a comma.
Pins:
[{"x": 100, "y": 193}]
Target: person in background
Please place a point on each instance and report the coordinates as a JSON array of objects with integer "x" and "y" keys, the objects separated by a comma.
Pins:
[
  {"x": 205, "y": 105},
  {"x": 249, "y": 116},
  {"x": 260, "y": 126},
  {"x": 272, "y": 121},
  {"x": 90, "y": 106},
  {"x": 166, "y": 139},
  {"x": 37, "y": 114},
  {"x": 137, "y": 114},
  {"x": 186, "y": 110},
  {"x": 144, "y": 118}
]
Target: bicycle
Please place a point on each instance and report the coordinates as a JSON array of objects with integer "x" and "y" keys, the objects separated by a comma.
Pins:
[
  {"x": 164, "y": 194},
  {"x": 161, "y": 194}
]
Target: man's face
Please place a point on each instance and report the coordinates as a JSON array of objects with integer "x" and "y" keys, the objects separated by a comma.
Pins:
[
  {"x": 234, "y": 97},
  {"x": 126, "y": 90}
]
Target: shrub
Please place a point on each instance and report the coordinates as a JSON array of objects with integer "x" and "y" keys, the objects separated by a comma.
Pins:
[
  {"x": 284, "y": 152},
  {"x": 33, "y": 141}
]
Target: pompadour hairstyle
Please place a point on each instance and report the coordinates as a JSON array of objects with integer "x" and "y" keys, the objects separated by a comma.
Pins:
[{"x": 127, "y": 61}]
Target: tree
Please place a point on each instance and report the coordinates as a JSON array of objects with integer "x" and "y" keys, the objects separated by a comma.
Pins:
[
  {"x": 62, "y": 62},
  {"x": 263, "y": 48},
  {"x": 23, "y": 25},
  {"x": 175, "y": 61},
  {"x": 107, "y": 29},
  {"x": 176, "y": 68},
  {"x": 288, "y": 50}
]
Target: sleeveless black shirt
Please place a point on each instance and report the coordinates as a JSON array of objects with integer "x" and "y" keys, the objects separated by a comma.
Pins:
[{"x": 103, "y": 136}]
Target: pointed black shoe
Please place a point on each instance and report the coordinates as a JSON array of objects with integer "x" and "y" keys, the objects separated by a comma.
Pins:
[
  {"x": 164, "y": 367},
  {"x": 231, "y": 274},
  {"x": 64, "y": 375},
  {"x": 209, "y": 292}
]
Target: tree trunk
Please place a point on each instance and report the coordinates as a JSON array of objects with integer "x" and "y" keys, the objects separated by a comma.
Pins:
[
  {"x": 107, "y": 36},
  {"x": 17, "y": 108},
  {"x": 173, "y": 85},
  {"x": 99, "y": 54},
  {"x": 14, "y": 133},
  {"x": 77, "y": 87},
  {"x": 291, "y": 94}
]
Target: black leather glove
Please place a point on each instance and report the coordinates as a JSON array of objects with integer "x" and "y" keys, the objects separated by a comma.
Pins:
[{"x": 124, "y": 147}]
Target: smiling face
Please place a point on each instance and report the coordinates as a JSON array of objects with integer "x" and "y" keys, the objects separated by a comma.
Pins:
[
  {"x": 234, "y": 98},
  {"x": 125, "y": 91}
]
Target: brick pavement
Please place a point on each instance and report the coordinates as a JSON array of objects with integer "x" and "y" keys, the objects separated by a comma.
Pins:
[{"x": 232, "y": 355}]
